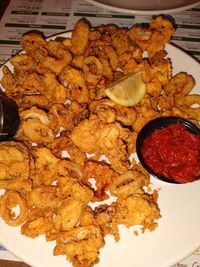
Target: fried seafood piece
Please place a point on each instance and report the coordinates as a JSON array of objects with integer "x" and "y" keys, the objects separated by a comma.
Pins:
[
  {"x": 25, "y": 87},
  {"x": 69, "y": 213},
  {"x": 35, "y": 45},
  {"x": 16, "y": 185},
  {"x": 120, "y": 40},
  {"x": 69, "y": 115},
  {"x": 77, "y": 61},
  {"x": 58, "y": 57},
  {"x": 104, "y": 218},
  {"x": 38, "y": 222},
  {"x": 103, "y": 176},
  {"x": 21, "y": 82},
  {"x": 63, "y": 143},
  {"x": 36, "y": 126},
  {"x": 43, "y": 197},
  {"x": 74, "y": 81},
  {"x": 71, "y": 187},
  {"x": 92, "y": 70},
  {"x": 80, "y": 37},
  {"x": 108, "y": 111},
  {"x": 129, "y": 53},
  {"x": 54, "y": 91},
  {"x": 109, "y": 139},
  {"x": 70, "y": 168},
  {"x": 8, "y": 201},
  {"x": 88, "y": 217},
  {"x": 46, "y": 169},
  {"x": 153, "y": 37},
  {"x": 23, "y": 62},
  {"x": 81, "y": 245},
  {"x": 162, "y": 30},
  {"x": 179, "y": 86},
  {"x": 146, "y": 110},
  {"x": 189, "y": 105},
  {"x": 15, "y": 161},
  {"x": 137, "y": 209},
  {"x": 159, "y": 70},
  {"x": 129, "y": 183},
  {"x": 112, "y": 56}
]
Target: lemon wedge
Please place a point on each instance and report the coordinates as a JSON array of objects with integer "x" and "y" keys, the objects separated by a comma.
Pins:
[{"x": 127, "y": 91}]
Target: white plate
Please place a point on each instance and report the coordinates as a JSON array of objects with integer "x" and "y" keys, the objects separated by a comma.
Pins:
[
  {"x": 176, "y": 236},
  {"x": 145, "y": 7}
]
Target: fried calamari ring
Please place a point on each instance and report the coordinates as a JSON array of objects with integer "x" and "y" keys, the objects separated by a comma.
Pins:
[
  {"x": 23, "y": 62},
  {"x": 35, "y": 126},
  {"x": 92, "y": 69},
  {"x": 128, "y": 183},
  {"x": 10, "y": 200},
  {"x": 34, "y": 44},
  {"x": 33, "y": 130}
]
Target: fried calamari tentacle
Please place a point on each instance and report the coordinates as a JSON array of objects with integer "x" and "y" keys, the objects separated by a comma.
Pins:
[
  {"x": 8, "y": 201},
  {"x": 103, "y": 176},
  {"x": 69, "y": 115},
  {"x": 74, "y": 81},
  {"x": 62, "y": 144},
  {"x": 153, "y": 37}
]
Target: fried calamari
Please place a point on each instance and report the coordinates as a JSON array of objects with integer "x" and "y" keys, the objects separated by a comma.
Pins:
[{"x": 74, "y": 146}]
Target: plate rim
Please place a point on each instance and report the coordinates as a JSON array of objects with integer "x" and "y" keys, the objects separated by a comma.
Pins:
[{"x": 31, "y": 261}]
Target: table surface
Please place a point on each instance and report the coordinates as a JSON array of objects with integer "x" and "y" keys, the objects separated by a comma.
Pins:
[{"x": 179, "y": 39}]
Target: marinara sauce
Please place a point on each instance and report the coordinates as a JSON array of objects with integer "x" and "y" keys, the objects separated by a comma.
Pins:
[{"x": 173, "y": 152}]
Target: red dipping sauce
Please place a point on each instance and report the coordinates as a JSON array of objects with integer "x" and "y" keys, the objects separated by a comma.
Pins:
[{"x": 173, "y": 152}]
